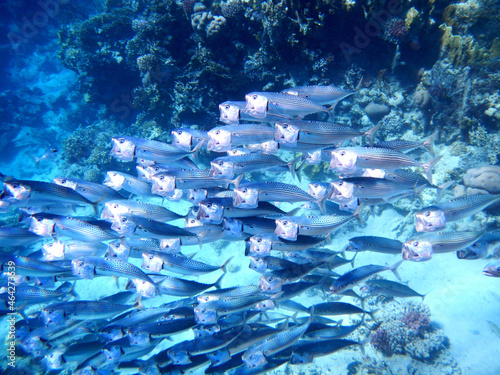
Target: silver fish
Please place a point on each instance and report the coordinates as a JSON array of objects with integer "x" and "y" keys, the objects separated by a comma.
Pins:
[
  {"x": 137, "y": 208},
  {"x": 291, "y": 226},
  {"x": 368, "y": 187},
  {"x": 118, "y": 181},
  {"x": 492, "y": 269},
  {"x": 224, "y": 138},
  {"x": 187, "y": 138},
  {"x": 256, "y": 355},
  {"x": 92, "y": 191},
  {"x": 406, "y": 146},
  {"x": 318, "y": 133},
  {"x": 325, "y": 95},
  {"x": 423, "y": 246},
  {"x": 355, "y": 276},
  {"x": 348, "y": 159},
  {"x": 435, "y": 217},
  {"x": 377, "y": 244},
  {"x": 390, "y": 288},
  {"x": 259, "y": 104},
  {"x": 28, "y": 192}
]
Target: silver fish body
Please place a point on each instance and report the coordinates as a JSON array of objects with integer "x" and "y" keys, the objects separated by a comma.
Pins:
[
  {"x": 324, "y": 95},
  {"x": 259, "y": 104},
  {"x": 224, "y": 138},
  {"x": 348, "y": 159},
  {"x": 374, "y": 243},
  {"x": 435, "y": 217},
  {"x": 290, "y": 227},
  {"x": 425, "y": 245},
  {"x": 356, "y": 275}
]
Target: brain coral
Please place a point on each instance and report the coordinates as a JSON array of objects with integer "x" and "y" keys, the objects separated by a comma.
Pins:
[{"x": 487, "y": 178}]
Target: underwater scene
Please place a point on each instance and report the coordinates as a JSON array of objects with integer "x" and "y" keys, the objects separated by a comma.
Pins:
[{"x": 250, "y": 187}]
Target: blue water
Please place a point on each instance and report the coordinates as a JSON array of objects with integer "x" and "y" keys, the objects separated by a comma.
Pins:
[{"x": 75, "y": 75}]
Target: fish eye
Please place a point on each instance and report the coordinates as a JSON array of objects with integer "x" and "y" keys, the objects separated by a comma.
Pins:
[
  {"x": 342, "y": 153},
  {"x": 415, "y": 243},
  {"x": 285, "y": 222},
  {"x": 255, "y": 97},
  {"x": 209, "y": 205},
  {"x": 341, "y": 183},
  {"x": 217, "y": 132},
  {"x": 227, "y": 106},
  {"x": 121, "y": 140}
]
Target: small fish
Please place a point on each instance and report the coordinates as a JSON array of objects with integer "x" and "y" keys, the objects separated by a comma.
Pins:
[
  {"x": 289, "y": 227},
  {"x": 407, "y": 146},
  {"x": 390, "y": 288},
  {"x": 356, "y": 275},
  {"x": 17, "y": 236},
  {"x": 435, "y": 217},
  {"x": 187, "y": 138},
  {"x": 92, "y": 191},
  {"x": 318, "y": 133},
  {"x": 423, "y": 246},
  {"x": 348, "y": 159},
  {"x": 29, "y": 192},
  {"x": 225, "y": 138},
  {"x": 477, "y": 250},
  {"x": 325, "y": 95},
  {"x": 31, "y": 267},
  {"x": 147, "y": 210},
  {"x": 256, "y": 355},
  {"x": 232, "y": 112},
  {"x": 368, "y": 188},
  {"x": 492, "y": 269},
  {"x": 89, "y": 310},
  {"x": 377, "y": 244},
  {"x": 118, "y": 181},
  {"x": 259, "y": 104},
  {"x": 228, "y": 166},
  {"x": 248, "y": 195}
]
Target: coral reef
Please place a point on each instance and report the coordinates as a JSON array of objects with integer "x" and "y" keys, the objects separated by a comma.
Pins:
[
  {"x": 407, "y": 329},
  {"x": 486, "y": 178}
]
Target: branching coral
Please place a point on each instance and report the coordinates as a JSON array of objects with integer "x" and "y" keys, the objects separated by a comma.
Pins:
[{"x": 407, "y": 329}]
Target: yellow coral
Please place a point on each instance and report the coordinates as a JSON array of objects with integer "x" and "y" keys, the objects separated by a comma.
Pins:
[{"x": 411, "y": 16}]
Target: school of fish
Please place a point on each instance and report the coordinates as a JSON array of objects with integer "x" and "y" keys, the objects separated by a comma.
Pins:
[{"x": 73, "y": 230}]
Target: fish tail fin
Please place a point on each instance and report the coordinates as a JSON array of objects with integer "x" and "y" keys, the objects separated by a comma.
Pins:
[
  {"x": 371, "y": 132},
  {"x": 292, "y": 166},
  {"x": 237, "y": 180},
  {"x": 321, "y": 204},
  {"x": 394, "y": 269},
  {"x": 442, "y": 188},
  {"x": 371, "y": 313},
  {"x": 428, "y": 167},
  {"x": 35, "y": 159},
  {"x": 201, "y": 236},
  {"x": 194, "y": 151},
  {"x": 218, "y": 283},
  {"x": 138, "y": 304},
  {"x": 223, "y": 267},
  {"x": 158, "y": 286},
  {"x": 331, "y": 110},
  {"x": 429, "y": 142}
]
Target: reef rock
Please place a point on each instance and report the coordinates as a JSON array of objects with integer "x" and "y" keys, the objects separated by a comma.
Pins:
[
  {"x": 486, "y": 178},
  {"x": 376, "y": 111},
  {"x": 406, "y": 329}
]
